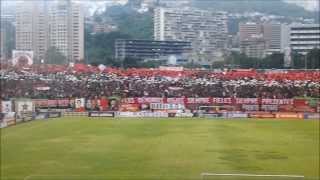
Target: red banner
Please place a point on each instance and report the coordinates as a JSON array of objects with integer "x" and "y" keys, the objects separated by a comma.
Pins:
[
  {"x": 277, "y": 101},
  {"x": 222, "y": 100},
  {"x": 208, "y": 100},
  {"x": 246, "y": 100},
  {"x": 149, "y": 100}
]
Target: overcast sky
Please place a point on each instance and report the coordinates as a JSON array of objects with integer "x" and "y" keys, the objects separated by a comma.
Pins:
[{"x": 311, "y": 5}]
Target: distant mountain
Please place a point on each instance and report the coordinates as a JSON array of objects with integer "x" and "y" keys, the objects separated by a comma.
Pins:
[{"x": 275, "y": 7}]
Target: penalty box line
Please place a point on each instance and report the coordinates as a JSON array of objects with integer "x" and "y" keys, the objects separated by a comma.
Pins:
[{"x": 253, "y": 175}]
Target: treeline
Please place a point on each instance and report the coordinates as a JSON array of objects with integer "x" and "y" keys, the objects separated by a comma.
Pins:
[{"x": 276, "y": 61}]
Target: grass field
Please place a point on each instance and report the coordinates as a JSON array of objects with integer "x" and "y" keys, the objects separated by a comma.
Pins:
[{"x": 167, "y": 149}]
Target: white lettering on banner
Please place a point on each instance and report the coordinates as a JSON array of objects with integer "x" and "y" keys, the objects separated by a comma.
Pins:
[
  {"x": 128, "y": 100},
  {"x": 277, "y": 101},
  {"x": 269, "y": 107},
  {"x": 250, "y": 107},
  {"x": 149, "y": 100},
  {"x": 246, "y": 100},
  {"x": 160, "y": 106},
  {"x": 222, "y": 100},
  {"x": 175, "y": 100},
  {"x": 198, "y": 100}
]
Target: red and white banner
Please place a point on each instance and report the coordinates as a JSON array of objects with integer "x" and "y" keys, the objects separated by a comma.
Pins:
[
  {"x": 277, "y": 101},
  {"x": 160, "y": 106}
]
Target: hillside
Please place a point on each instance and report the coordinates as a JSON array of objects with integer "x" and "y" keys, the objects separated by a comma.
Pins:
[{"x": 275, "y": 7}]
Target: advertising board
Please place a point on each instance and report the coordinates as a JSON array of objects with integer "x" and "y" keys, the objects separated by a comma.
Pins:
[
  {"x": 101, "y": 114},
  {"x": 141, "y": 114},
  {"x": 54, "y": 114},
  {"x": 261, "y": 115},
  {"x": 290, "y": 115},
  {"x": 6, "y": 106},
  {"x": 312, "y": 116}
]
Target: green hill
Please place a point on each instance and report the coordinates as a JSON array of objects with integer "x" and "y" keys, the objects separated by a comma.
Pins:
[{"x": 275, "y": 7}]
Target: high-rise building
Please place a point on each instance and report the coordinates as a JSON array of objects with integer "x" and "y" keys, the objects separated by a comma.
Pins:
[
  {"x": 40, "y": 26},
  {"x": 304, "y": 37},
  {"x": 32, "y": 28},
  {"x": 249, "y": 29},
  {"x": 206, "y": 30},
  {"x": 2, "y": 44},
  {"x": 272, "y": 35},
  {"x": 67, "y": 29},
  {"x": 285, "y": 37},
  {"x": 254, "y": 47}
]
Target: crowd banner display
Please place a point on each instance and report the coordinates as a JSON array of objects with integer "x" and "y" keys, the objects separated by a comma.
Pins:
[
  {"x": 277, "y": 101},
  {"x": 75, "y": 114},
  {"x": 235, "y": 115},
  {"x": 175, "y": 100},
  {"x": 210, "y": 115},
  {"x": 269, "y": 107},
  {"x": 129, "y": 107},
  {"x": 149, "y": 100},
  {"x": 246, "y": 100},
  {"x": 312, "y": 116},
  {"x": 103, "y": 104},
  {"x": 24, "y": 109},
  {"x": 63, "y": 102},
  {"x": 80, "y": 104},
  {"x": 101, "y": 114},
  {"x": 6, "y": 106},
  {"x": 54, "y": 114},
  {"x": 289, "y": 115},
  {"x": 222, "y": 100},
  {"x": 141, "y": 114},
  {"x": 261, "y": 115},
  {"x": 161, "y": 106},
  {"x": 184, "y": 114},
  {"x": 247, "y": 107},
  {"x": 41, "y": 115},
  {"x": 199, "y": 100},
  {"x": 40, "y": 103},
  {"x": 52, "y": 103}
]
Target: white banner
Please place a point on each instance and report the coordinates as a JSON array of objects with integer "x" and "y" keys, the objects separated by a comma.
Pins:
[
  {"x": 80, "y": 103},
  {"x": 141, "y": 114},
  {"x": 160, "y": 106},
  {"x": 24, "y": 106},
  {"x": 6, "y": 106}
]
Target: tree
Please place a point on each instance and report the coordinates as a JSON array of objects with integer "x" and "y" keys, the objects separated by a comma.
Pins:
[
  {"x": 99, "y": 48},
  {"x": 313, "y": 59},
  {"x": 54, "y": 56},
  {"x": 275, "y": 60},
  {"x": 298, "y": 60}
]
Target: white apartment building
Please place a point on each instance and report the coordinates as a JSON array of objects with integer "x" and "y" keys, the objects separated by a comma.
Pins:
[
  {"x": 44, "y": 24},
  {"x": 304, "y": 37},
  {"x": 67, "y": 29},
  {"x": 275, "y": 35},
  {"x": 206, "y": 30}
]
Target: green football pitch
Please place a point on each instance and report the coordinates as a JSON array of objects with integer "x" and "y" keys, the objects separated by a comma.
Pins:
[{"x": 82, "y": 148}]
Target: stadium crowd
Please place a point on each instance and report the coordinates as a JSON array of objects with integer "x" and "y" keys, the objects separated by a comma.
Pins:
[{"x": 154, "y": 83}]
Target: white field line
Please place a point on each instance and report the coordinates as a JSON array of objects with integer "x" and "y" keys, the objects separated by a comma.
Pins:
[
  {"x": 61, "y": 176},
  {"x": 253, "y": 175}
]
